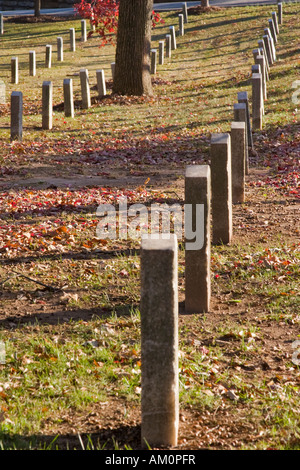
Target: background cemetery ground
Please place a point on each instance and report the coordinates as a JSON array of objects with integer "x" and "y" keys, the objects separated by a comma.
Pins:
[{"x": 73, "y": 354}]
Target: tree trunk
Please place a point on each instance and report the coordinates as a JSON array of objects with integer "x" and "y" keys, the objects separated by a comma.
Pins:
[
  {"x": 37, "y": 7},
  {"x": 132, "y": 69},
  {"x": 205, "y": 3}
]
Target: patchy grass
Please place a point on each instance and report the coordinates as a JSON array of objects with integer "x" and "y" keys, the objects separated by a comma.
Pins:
[{"x": 69, "y": 308}]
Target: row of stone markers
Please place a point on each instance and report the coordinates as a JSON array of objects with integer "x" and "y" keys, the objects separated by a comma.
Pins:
[
  {"x": 16, "y": 126},
  {"x": 215, "y": 187},
  {"x": 48, "y": 53},
  {"x": 170, "y": 44},
  {"x": 264, "y": 58}
]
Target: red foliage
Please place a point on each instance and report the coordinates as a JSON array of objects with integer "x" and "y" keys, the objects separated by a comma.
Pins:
[{"x": 104, "y": 14}]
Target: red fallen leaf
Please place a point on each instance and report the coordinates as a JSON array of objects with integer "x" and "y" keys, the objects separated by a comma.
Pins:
[{"x": 124, "y": 273}]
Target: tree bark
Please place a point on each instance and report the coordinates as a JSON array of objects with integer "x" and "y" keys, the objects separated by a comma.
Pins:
[
  {"x": 37, "y": 8},
  {"x": 132, "y": 69},
  {"x": 205, "y": 3}
]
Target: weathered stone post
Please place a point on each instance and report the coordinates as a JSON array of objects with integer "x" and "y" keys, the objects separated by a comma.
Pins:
[
  {"x": 159, "y": 342},
  {"x": 153, "y": 61},
  {"x": 181, "y": 25},
  {"x": 240, "y": 114},
  {"x": 257, "y": 101},
  {"x": 221, "y": 188},
  {"x": 257, "y": 69},
  {"x": 261, "y": 45},
  {"x": 48, "y": 58},
  {"x": 173, "y": 37},
  {"x": 68, "y": 97},
  {"x": 72, "y": 40},
  {"x": 272, "y": 45},
  {"x": 197, "y": 238},
  {"x": 85, "y": 88},
  {"x": 185, "y": 12},
  {"x": 14, "y": 70},
  {"x": 255, "y": 53},
  {"x": 275, "y": 21},
  {"x": 83, "y": 31},
  {"x": 243, "y": 99},
  {"x": 260, "y": 60},
  {"x": 101, "y": 85},
  {"x": 47, "y": 105},
  {"x": 161, "y": 52},
  {"x": 2, "y": 92},
  {"x": 238, "y": 161},
  {"x": 272, "y": 30},
  {"x": 267, "y": 44},
  {"x": 16, "y": 115},
  {"x": 60, "y": 50},
  {"x": 32, "y": 63},
  {"x": 112, "y": 67},
  {"x": 168, "y": 46},
  {"x": 280, "y": 13}
]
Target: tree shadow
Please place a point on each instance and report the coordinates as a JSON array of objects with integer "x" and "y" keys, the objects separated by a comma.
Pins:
[{"x": 116, "y": 438}]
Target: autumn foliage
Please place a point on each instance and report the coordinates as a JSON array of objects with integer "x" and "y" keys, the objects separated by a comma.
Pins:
[{"x": 104, "y": 15}]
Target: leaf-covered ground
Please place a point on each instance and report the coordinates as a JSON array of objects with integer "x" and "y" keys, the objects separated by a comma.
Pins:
[{"x": 69, "y": 301}]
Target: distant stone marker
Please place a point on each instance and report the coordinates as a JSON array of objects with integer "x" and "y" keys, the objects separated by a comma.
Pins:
[
  {"x": 267, "y": 44},
  {"x": 168, "y": 46},
  {"x": 72, "y": 40},
  {"x": 173, "y": 37},
  {"x": 161, "y": 52},
  {"x": 1, "y": 25},
  {"x": 273, "y": 30},
  {"x": 275, "y": 21},
  {"x": 257, "y": 105},
  {"x": 68, "y": 97},
  {"x": 47, "y": 105},
  {"x": 181, "y": 25},
  {"x": 2, "y": 92},
  {"x": 221, "y": 188},
  {"x": 101, "y": 85},
  {"x": 261, "y": 45},
  {"x": 197, "y": 260},
  {"x": 280, "y": 13},
  {"x": 48, "y": 58},
  {"x": 16, "y": 116},
  {"x": 85, "y": 89},
  {"x": 60, "y": 50},
  {"x": 260, "y": 60},
  {"x": 241, "y": 113},
  {"x": 112, "y": 67},
  {"x": 153, "y": 61},
  {"x": 32, "y": 63},
  {"x": 185, "y": 12},
  {"x": 238, "y": 161},
  {"x": 83, "y": 31},
  {"x": 14, "y": 70}
]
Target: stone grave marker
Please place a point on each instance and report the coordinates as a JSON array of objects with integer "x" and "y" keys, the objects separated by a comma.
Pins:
[
  {"x": 68, "y": 97},
  {"x": 16, "y": 116},
  {"x": 197, "y": 238},
  {"x": 159, "y": 341},
  {"x": 47, "y": 105},
  {"x": 221, "y": 188},
  {"x": 85, "y": 88},
  {"x": 238, "y": 161}
]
